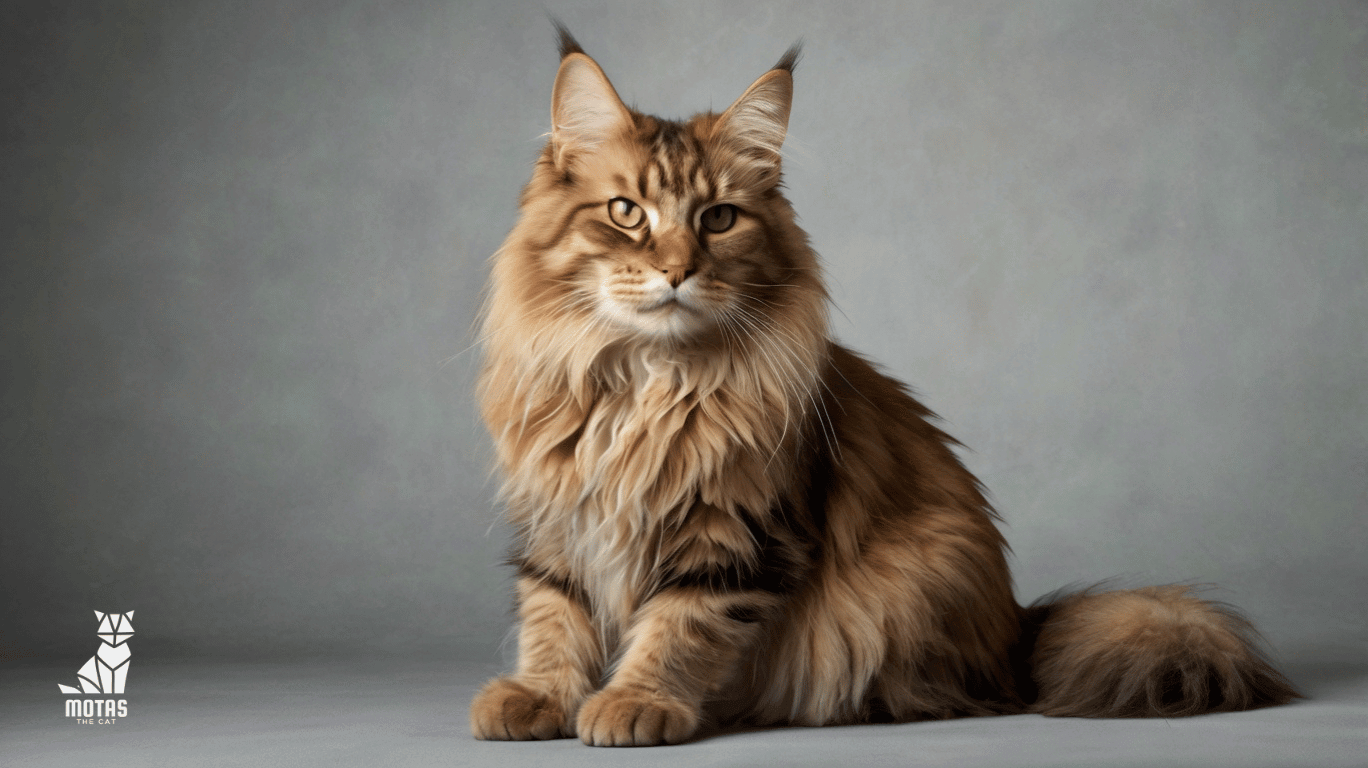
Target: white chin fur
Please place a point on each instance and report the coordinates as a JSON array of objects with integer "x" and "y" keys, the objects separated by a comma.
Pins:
[{"x": 667, "y": 314}]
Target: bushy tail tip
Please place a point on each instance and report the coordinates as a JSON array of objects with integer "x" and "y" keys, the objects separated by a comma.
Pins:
[{"x": 1149, "y": 652}]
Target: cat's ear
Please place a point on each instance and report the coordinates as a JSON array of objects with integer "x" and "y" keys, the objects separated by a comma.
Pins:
[
  {"x": 754, "y": 125},
  {"x": 585, "y": 110}
]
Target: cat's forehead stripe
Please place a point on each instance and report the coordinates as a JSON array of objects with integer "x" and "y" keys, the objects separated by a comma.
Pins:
[
  {"x": 675, "y": 166},
  {"x": 702, "y": 183}
]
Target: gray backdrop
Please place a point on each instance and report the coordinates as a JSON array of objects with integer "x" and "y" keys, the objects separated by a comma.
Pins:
[{"x": 1120, "y": 247}]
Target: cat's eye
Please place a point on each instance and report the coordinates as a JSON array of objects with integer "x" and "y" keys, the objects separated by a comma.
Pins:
[
  {"x": 719, "y": 218},
  {"x": 625, "y": 213}
]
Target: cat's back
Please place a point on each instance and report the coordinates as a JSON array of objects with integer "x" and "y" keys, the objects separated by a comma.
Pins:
[{"x": 887, "y": 441}]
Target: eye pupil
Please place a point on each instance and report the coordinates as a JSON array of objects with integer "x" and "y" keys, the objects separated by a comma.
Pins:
[
  {"x": 719, "y": 218},
  {"x": 625, "y": 213}
]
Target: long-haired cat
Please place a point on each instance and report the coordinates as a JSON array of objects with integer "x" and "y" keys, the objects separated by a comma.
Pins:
[{"x": 721, "y": 513}]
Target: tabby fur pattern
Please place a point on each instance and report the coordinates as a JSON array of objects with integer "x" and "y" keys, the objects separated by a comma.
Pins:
[{"x": 720, "y": 514}]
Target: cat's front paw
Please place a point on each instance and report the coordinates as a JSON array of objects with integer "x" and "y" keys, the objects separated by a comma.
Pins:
[
  {"x": 508, "y": 710},
  {"x": 630, "y": 717}
]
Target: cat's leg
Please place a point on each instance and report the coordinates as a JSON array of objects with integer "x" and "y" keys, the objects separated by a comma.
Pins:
[
  {"x": 916, "y": 623},
  {"x": 682, "y": 647},
  {"x": 559, "y": 658},
  {"x": 89, "y": 676},
  {"x": 686, "y": 640}
]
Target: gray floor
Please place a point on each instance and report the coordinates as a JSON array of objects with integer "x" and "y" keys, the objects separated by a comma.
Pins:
[{"x": 413, "y": 712}]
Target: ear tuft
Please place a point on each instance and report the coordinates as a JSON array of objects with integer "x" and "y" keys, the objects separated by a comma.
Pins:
[
  {"x": 789, "y": 61},
  {"x": 566, "y": 41}
]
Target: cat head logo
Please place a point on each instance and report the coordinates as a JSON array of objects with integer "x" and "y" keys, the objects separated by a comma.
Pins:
[{"x": 107, "y": 670}]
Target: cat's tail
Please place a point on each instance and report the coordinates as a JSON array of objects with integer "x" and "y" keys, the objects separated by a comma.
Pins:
[{"x": 1149, "y": 652}]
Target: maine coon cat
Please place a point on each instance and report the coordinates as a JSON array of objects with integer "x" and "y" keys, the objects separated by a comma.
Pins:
[{"x": 721, "y": 513}]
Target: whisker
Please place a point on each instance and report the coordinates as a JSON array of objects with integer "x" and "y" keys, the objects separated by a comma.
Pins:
[{"x": 819, "y": 406}]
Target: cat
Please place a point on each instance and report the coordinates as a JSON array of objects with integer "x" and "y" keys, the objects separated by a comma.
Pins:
[
  {"x": 720, "y": 514},
  {"x": 107, "y": 670}
]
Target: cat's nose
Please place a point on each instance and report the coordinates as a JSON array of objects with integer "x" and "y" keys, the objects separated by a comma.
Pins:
[
  {"x": 676, "y": 274},
  {"x": 675, "y": 255}
]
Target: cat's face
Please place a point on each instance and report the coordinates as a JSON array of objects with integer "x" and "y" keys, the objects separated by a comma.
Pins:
[
  {"x": 115, "y": 628},
  {"x": 661, "y": 229},
  {"x": 672, "y": 246}
]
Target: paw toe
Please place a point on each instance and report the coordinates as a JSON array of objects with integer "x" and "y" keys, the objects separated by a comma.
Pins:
[
  {"x": 630, "y": 718},
  {"x": 508, "y": 710}
]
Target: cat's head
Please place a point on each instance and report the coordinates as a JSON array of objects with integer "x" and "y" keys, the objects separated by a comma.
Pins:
[
  {"x": 655, "y": 229},
  {"x": 115, "y": 628}
]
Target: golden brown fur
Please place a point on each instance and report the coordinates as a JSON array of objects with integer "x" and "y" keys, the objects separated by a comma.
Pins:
[{"x": 720, "y": 512}]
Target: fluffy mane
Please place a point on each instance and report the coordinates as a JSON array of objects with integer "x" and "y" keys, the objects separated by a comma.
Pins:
[
  {"x": 719, "y": 511},
  {"x": 589, "y": 415}
]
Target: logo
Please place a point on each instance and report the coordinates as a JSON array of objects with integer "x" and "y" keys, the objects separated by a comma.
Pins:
[{"x": 105, "y": 673}]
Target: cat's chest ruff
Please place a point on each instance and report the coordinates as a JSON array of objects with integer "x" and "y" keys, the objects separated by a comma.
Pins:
[
  {"x": 632, "y": 434},
  {"x": 635, "y": 473},
  {"x": 655, "y": 433},
  {"x": 592, "y": 475}
]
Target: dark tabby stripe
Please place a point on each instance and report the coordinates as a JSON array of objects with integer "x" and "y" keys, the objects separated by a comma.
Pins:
[
  {"x": 563, "y": 584},
  {"x": 566, "y": 223}
]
